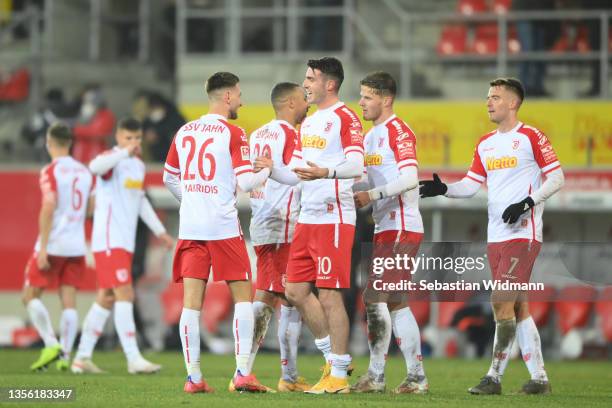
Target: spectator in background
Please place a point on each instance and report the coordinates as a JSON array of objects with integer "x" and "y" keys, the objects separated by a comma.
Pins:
[
  {"x": 94, "y": 127},
  {"x": 162, "y": 121},
  {"x": 34, "y": 130},
  {"x": 532, "y": 35}
]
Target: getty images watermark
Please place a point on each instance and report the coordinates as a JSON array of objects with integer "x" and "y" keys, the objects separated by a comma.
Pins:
[{"x": 386, "y": 268}]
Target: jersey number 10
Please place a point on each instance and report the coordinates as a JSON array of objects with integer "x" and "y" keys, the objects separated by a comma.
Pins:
[{"x": 202, "y": 155}]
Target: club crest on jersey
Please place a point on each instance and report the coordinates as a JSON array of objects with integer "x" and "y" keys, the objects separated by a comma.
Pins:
[
  {"x": 122, "y": 275},
  {"x": 315, "y": 142},
  {"x": 328, "y": 126},
  {"x": 132, "y": 184},
  {"x": 373, "y": 160},
  {"x": 330, "y": 208},
  {"x": 515, "y": 144},
  {"x": 505, "y": 162},
  {"x": 244, "y": 152}
]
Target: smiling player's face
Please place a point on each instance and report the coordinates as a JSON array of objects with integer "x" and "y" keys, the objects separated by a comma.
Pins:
[{"x": 315, "y": 83}]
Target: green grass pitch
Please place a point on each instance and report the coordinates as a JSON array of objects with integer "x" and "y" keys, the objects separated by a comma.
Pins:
[{"x": 580, "y": 384}]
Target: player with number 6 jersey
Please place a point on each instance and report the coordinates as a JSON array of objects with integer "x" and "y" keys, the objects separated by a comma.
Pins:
[
  {"x": 59, "y": 253},
  {"x": 207, "y": 160}
]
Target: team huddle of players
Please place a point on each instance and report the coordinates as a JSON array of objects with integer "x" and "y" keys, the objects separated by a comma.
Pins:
[{"x": 305, "y": 186}]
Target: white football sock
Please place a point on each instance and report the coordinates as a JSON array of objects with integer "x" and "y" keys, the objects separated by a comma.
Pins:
[
  {"x": 68, "y": 329},
  {"x": 126, "y": 329},
  {"x": 408, "y": 337},
  {"x": 339, "y": 364},
  {"x": 505, "y": 331},
  {"x": 189, "y": 329},
  {"x": 262, "y": 314},
  {"x": 289, "y": 329},
  {"x": 41, "y": 321},
  {"x": 379, "y": 337},
  {"x": 93, "y": 325},
  {"x": 324, "y": 345},
  {"x": 531, "y": 348},
  {"x": 244, "y": 324}
]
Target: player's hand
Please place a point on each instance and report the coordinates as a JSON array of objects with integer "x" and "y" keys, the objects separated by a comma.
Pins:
[
  {"x": 166, "y": 240},
  {"x": 42, "y": 261},
  {"x": 514, "y": 211},
  {"x": 262, "y": 162},
  {"x": 313, "y": 172},
  {"x": 362, "y": 198},
  {"x": 432, "y": 188},
  {"x": 133, "y": 150}
]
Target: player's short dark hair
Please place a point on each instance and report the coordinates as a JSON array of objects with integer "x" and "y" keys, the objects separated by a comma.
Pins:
[
  {"x": 511, "y": 84},
  {"x": 60, "y": 133},
  {"x": 221, "y": 80},
  {"x": 130, "y": 124},
  {"x": 381, "y": 82},
  {"x": 281, "y": 91},
  {"x": 330, "y": 66}
]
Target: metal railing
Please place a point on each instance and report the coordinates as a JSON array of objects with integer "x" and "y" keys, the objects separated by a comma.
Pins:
[{"x": 407, "y": 54}]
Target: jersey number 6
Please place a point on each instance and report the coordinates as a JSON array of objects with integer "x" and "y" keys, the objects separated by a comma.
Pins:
[{"x": 201, "y": 156}]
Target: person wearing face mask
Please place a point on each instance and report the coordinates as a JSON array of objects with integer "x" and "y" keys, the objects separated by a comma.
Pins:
[
  {"x": 162, "y": 122},
  {"x": 94, "y": 126}
]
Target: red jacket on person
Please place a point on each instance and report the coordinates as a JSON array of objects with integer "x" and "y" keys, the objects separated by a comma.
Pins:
[{"x": 91, "y": 139}]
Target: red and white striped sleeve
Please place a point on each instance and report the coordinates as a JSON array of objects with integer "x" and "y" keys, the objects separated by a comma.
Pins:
[
  {"x": 172, "y": 164},
  {"x": 543, "y": 152},
  {"x": 402, "y": 142}
]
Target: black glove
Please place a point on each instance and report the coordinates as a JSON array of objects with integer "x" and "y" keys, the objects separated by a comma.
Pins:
[
  {"x": 432, "y": 188},
  {"x": 514, "y": 211}
]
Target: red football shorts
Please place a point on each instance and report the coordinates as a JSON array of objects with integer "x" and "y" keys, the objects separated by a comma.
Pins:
[
  {"x": 227, "y": 257},
  {"x": 63, "y": 270},
  {"x": 272, "y": 266},
  {"x": 321, "y": 253},
  {"x": 513, "y": 260},
  {"x": 387, "y": 244},
  {"x": 113, "y": 268}
]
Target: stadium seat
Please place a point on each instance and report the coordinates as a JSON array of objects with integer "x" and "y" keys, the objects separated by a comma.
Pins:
[
  {"x": 421, "y": 310},
  {"x": 573, "y": 305},
  {"x": 446, "y": 312},
  {"x": 17, "y": 87},
  {"x": 501, "y": 6},
  {"x": 469, "y": 7},
  {"x": 453, "y": 40},
  {"x": 541, "y": 305},
  {"x": 217, "y": 305},
  {"x": 603, "y": 308},
  {"x": 486, "y": 39}
]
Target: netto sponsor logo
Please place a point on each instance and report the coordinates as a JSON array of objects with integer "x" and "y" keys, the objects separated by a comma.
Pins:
[{"x": 505, "y": 162}]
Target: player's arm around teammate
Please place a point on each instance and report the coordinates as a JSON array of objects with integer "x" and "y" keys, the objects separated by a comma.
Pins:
[
  {"x": 209, "y": 232},
  {"x": 391, "y": 164},
  {"x": 513, "y": 160}
]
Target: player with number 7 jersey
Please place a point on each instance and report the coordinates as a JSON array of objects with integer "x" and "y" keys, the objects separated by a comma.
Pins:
[{"x": 207, "y": 160}]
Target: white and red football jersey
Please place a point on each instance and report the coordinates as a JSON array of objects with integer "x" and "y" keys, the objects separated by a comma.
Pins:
[
  {"x": 208, "y": 154},
  {"x": 326, "y": 137},
  {"x": 389, "y": 147},
  {"x": 512, "y": 164},
  {"x": 70, "y": 183},
  {"x": 119, "y": 195},
  {"x": 274, "y": 206}
]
